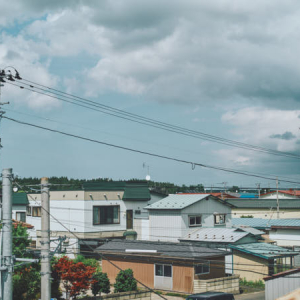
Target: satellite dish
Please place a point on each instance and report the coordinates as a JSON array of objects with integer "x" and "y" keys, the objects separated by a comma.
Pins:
[
  {"x": 15, "y": 189},
  {"x": 148, "y": 177}
]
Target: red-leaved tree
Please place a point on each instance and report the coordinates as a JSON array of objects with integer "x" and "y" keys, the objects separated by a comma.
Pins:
[{"x": 75, "y": 277}]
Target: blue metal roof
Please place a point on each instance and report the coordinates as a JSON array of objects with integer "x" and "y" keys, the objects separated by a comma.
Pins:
[
  {"x": 264, "y": 250},
  {"x": 248, "y": 195}
]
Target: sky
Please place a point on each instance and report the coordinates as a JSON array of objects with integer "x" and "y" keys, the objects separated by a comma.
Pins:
[{"x": 228, "y": 68}]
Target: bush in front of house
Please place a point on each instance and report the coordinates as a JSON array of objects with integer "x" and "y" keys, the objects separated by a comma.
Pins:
[
  {"x": 125, "y": 281},
  {"x": 101, "y": 284}
]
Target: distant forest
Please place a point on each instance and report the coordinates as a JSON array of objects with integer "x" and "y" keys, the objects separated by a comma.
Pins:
[{"x": 65, "y": 183}]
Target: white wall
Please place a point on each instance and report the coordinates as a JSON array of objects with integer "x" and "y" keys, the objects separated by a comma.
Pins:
[
  {"x": 281, "y": 286},
  {"x": 285, "y": 237},
  {"x": 170, "y": 225},
  {"x": 165, "y": 225},
  {"x": 141, "y": 226},
  {"x": 17, "y": 208}
]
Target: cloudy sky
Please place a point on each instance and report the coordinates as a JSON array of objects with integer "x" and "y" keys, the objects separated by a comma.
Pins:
[{"x": 228, "y": 68}]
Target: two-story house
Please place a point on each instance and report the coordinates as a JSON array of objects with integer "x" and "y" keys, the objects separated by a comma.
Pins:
[
  {"x": 100, "y": 210},
  {"x": 174, "y": 216}
]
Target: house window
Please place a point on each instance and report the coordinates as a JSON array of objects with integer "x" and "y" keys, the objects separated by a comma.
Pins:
[
  {"x": 220, "y": 219},
  {"x": 21, "y": 216},
  {"x": 106, "y": 215},
  {"x": 202, "y": 268},
  {"x": 36, "y": 211},
  {"x": 194, "y": 221},
  {"x": 28, "y": 210},
  {"x": 163, "y": 270},
  {"x": 137, "y": 212}
]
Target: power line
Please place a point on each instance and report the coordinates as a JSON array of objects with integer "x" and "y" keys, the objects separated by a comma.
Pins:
[
  {"x": 193, "y": 164},
  {"x": 66, "y": 97}
]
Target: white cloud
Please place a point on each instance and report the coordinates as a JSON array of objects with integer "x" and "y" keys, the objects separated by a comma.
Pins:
[{"x": 257, "y": 125}]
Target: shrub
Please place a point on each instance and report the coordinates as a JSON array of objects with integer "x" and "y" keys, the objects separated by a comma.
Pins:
[
  {"x": 125, "y": 281},
  {"x": 101, "y": 284}
]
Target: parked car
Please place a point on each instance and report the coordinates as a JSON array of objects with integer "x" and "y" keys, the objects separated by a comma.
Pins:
[{"x": 211, "y": 296}]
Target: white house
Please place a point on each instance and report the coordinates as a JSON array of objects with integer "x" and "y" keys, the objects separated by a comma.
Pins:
[
  {"x": 174, "y": 216},
  {"x": 19, "y": 204},
  {"x": 100, "y": 210}
]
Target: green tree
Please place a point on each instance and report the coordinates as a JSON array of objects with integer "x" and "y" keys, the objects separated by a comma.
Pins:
[
  {"x": 125, "y": 281},
  {"x": 20, "y": 241},
  {"x": 101, "y": 284}
]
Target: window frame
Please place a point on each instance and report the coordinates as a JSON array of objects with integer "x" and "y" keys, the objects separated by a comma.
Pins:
[
  {"x": 106, "y": 207},
  {"x": 204, "y": 263},
  {"x": 163, "y": 270},
  {"x": 39, "y": 211},
  {"x": 195, "y": 225},
  {"x": 23, "y": 213},
  {"x": 218, "y": 215},
  {"x": 28, "y": 210}
]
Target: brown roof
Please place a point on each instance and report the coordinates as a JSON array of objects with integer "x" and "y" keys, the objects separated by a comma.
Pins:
[
  {"x": 23, "y": 224},
  {"x": 282, "y": 274}
]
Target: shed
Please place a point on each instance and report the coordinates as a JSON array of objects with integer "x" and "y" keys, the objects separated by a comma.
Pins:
[
  {"x": 281, "y": 284},
  {"x": 168, "y": 266}
]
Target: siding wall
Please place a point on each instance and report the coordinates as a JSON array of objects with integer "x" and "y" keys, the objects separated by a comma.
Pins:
[
  {"x": 281, "y": 286},
  {"x": 183, "y": 276},
  {"x": 249, "y": 264},
  {"x": 165, "y": 225},
  {"x": 144, "y": 272}
]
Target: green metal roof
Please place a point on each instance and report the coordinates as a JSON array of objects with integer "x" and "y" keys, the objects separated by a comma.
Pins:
[
  {"x": 132, "y": 190},
  {"x": 264, "y": 203},
  {"x": 264, "y": 250},
  {"x": 20, "y": 199}
]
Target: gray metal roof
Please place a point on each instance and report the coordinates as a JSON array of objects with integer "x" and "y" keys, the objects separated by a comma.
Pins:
[
  {"x": 215, "y": 235},
  {"x": 165, "y": 249},
  {"x": 250, "y": 230},
  {"x": 178, "y": 201},
  {"x": 264, "y": 203},
  {"x": 265, "y": 223},
  {"x": 264, "y": 250}
]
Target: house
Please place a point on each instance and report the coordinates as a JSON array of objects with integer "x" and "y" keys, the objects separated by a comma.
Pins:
[
  {"x": 265, "y": 208},
  {"x": 174, "y": 216},
  {"x": 180, "y": 267},
  {"x": 222, "y": 239},
  {"x": 285, "y": 232},
  {"x": 19, "y": 204},
  {"x": 98, "y": 211},
  {"x": 281, "y": 284},
  {"x": 282, "y": 194},
  {"x": 255, "y": 261}
]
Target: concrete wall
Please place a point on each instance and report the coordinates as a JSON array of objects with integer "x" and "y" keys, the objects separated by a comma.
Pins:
[
  {"x": 145, "y": 295},
  {"x": 228, "y": 284}
]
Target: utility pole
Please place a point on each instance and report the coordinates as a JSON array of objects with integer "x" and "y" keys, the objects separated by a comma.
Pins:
[
  {"x": 45, "y": 241},
  {"x": 258, "y": 187},
  {"x": 277, "y": 197},
  {"x": 7, "y": 258}
]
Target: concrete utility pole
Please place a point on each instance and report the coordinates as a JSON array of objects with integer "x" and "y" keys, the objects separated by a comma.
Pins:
[
  {"x": 7, "y": 233},
  {"x": 45, "y": 241},
  {"x": 277, "y": 198}
]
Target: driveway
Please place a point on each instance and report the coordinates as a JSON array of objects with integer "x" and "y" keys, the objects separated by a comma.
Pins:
[{"x": 251, "y": 296}]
